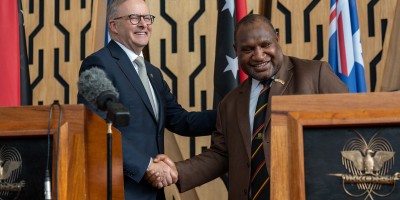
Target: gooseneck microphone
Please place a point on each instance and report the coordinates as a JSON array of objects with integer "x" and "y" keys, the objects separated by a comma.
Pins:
[
  {"x": 47, "y": 177},
  {"x": 99, "y": 91}
]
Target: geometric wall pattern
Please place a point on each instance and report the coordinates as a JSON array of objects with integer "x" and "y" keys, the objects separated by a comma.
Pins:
[{"x": 61, "y": 33}]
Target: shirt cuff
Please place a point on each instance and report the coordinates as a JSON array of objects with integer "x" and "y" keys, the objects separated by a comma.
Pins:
[{"x": 151, "y": 160}]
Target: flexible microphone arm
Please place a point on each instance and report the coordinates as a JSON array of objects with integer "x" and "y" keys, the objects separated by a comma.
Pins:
[{"x": 47, "y": 177}]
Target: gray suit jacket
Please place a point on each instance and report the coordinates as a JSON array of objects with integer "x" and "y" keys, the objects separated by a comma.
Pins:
[{"x": 231, "y": 143}]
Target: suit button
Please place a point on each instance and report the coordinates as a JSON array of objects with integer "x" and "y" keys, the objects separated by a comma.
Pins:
[{"x": 245, "y": 191}]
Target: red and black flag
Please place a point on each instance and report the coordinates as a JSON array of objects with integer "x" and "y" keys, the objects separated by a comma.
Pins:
[
  {"x": 241, "y": 11},
  {"x": 15, "y": 82},
  {"x": 226, "y": 65}
]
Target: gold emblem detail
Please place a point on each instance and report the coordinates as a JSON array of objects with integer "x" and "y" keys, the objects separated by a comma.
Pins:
[{"x": 368, "y": 164}]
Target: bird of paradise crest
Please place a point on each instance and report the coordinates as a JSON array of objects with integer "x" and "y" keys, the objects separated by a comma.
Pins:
[
  {"x": 10, "y": 170},
  {"x": 368, "y": 164}
]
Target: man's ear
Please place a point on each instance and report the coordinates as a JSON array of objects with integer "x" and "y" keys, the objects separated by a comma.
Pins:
[
  {"x": 277, "y": 35},
  {"x": 112, "y": 26}
]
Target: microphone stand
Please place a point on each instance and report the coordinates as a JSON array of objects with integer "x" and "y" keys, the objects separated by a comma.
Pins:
[
  {"x": 109, "y": 160},
  {"x": 119, "y": 115}
]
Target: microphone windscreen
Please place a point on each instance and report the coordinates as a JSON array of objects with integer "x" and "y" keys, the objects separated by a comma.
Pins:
[{"x": 92, "y": 83}]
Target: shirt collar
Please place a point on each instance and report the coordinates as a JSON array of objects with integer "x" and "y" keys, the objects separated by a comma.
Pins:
[
  {"x": 254, "y": 84},
  {"x": 132, "y": 56}
]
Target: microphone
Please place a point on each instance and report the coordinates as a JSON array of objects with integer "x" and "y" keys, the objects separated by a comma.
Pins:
[{"x": 99, "y": 91}]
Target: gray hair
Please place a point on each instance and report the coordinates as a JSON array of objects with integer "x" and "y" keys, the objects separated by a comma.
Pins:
[{"x": 112, "y": 9}]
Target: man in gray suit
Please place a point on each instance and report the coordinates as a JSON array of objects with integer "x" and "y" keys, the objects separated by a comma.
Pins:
[{"x": 261, "y": 58}]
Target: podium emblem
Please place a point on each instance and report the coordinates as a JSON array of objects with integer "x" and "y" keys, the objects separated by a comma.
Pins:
[
  {"x": 368, "y": 165},
  {"x": 10, "y": 170}
]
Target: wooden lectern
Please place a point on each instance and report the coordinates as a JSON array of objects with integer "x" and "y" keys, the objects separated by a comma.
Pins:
[
  {"x": 82, "y": 154},
  {"x": 291, "y": 115}
]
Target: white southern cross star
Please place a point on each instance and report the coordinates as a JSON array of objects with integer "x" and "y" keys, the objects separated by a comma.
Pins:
[
  {"x": 232, "y": 65},
  {"x": 229, "y": 4}
]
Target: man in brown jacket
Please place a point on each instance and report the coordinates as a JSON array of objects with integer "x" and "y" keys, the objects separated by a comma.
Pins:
[{"x": 261, "y": 58}]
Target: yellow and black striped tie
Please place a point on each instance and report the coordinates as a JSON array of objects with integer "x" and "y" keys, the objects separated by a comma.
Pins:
[{"x": 259, "y": 173}]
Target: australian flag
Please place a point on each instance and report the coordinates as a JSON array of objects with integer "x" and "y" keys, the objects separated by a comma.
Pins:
[{"x": 345, "y": 52}]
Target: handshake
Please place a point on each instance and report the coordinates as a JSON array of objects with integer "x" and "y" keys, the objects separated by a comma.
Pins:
[{"x": 161, "y": 172}]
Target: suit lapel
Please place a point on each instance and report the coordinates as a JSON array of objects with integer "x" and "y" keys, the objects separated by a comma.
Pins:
[
  {"x": 128, "y": 69},
  {"x": 242, "y": 112},
  {"x": 284, "y": 74},
  {"x": 157, "y": 87},
  {"x": 279, "y": 87}
]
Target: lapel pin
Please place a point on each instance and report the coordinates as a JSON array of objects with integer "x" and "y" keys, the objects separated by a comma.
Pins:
[
  {"x": 279, "y": 81},
  {"x": 151, "y": 75}
]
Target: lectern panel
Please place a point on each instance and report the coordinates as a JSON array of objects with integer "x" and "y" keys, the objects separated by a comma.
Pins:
[
  {"x": 78, "y": 157},
  {"x": 294, "y": 114},
  {"x": 333, "y": 153},
  {"x": 23, "y": 161}
]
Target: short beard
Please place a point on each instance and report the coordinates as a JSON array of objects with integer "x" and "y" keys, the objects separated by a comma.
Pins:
[{"x": 258, "y": 77}]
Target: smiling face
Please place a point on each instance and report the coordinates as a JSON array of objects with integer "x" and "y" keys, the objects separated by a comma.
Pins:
[
  {"x": 259, "y": 53},
  {"x": 134, "y": 37}
]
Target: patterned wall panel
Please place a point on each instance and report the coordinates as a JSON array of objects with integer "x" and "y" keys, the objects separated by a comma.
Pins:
[
  {"x": 389, "y": 80},
  {"x": 304, "y": 31},
  {"x": 377, "y": 17},
  {"x": 59, "y": 35}
]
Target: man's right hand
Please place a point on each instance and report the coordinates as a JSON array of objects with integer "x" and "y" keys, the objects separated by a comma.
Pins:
[{"x": 162, "y": 172}]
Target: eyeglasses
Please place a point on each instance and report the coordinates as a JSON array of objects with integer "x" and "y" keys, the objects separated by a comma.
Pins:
[{"x": 135, "y": 19}]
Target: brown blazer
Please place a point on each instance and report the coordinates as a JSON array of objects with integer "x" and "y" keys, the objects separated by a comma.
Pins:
[{"x": 231, "y": 143}]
